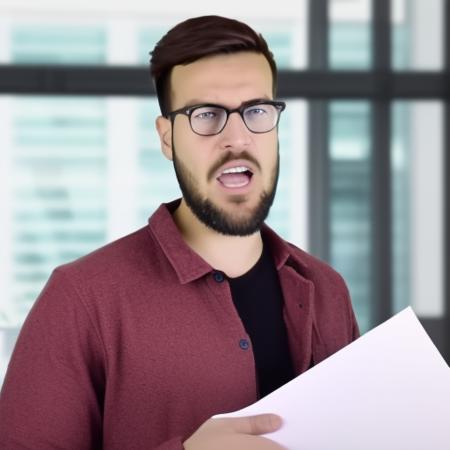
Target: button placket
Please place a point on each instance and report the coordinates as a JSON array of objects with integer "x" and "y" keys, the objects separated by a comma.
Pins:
[{"x": 218, "y": 277}]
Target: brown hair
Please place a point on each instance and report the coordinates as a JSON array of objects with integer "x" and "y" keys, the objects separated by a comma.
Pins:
[{"x": 199, "y": 37}]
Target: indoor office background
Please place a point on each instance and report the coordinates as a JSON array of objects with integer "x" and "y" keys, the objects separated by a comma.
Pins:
[{"x": 364, "y": 142}]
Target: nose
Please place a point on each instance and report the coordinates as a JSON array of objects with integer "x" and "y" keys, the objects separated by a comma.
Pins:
[{"x": 235, "y": 135}]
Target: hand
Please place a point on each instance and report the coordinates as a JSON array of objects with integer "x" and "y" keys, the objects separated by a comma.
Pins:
[{"x": 237, "y": 433}]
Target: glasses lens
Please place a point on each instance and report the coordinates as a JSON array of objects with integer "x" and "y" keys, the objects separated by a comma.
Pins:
[
  {"x": 208, "y": 120},
  {"x": 261, "y": 118}
]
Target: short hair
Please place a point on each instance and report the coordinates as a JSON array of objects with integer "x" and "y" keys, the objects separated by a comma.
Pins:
[{"x": 197, "y": 38}]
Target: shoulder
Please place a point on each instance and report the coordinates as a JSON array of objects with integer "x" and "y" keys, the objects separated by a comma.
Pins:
[
  {"x": 318, "y": 271},
  {"x": 286, "y": 254},
  {"x": 108, "y": 277},
  {"x": 330, "y": 289},
  {"x": 125, "y": 253}
]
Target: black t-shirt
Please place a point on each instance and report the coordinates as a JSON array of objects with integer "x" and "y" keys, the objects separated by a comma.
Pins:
[{"x": 258, "y": 299}]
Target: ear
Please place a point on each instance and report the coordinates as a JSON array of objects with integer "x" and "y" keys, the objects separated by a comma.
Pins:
[{"x": 164, "y": 128}]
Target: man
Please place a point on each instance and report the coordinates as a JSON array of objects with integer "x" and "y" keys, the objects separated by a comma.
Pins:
[{"x": 138, "y": 344}]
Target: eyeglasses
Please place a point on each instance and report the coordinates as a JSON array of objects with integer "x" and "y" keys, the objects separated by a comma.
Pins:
[{"x": 259, "y": 116}]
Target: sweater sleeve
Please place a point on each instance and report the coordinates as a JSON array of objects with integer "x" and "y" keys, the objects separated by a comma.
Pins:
[
  {"x": 53, "y": 389},
  {"x": 52, "y": 396}
]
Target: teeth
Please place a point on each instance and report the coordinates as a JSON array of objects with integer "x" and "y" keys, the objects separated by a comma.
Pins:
[{"x": 236, "y": 169}]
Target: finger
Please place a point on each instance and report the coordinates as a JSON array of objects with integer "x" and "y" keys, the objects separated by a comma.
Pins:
[{"x": 259, "y": 424}]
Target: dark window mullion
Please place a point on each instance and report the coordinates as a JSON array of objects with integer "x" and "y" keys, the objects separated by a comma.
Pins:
[
  {"x": 446, "y": 178},
  {"x": 319, "y": 179},
  {"x": 381, "y": 176},
  {"x": 311, "y": 84},
  {"x": 318, "y": 42},
  {"x": 319, "y": 164}
]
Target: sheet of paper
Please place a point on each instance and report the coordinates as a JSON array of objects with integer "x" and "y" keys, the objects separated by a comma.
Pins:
[{"x": 390, "y": 389}]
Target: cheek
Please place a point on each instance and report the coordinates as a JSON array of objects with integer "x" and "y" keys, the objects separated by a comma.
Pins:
[
  {"x": 192, "y": 153},
  {"x": 269, "y": 154},
  {"x": 183, "y": 146}
]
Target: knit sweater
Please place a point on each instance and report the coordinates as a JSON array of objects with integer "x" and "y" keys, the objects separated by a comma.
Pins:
[{"x": 135, "y": 345}]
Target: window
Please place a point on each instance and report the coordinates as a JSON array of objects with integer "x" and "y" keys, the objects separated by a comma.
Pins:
[{"x": 363, "y": 148}]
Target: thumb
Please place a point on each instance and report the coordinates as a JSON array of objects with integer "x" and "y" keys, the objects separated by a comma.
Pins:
[{"x": 259, "y": 424}]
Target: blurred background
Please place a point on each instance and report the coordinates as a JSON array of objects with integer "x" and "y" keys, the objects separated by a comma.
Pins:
[{"x": 364, "y": 141}]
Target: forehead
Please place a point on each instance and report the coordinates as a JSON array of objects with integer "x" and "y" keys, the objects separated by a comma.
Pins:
[{"x": 228, "y": 79}]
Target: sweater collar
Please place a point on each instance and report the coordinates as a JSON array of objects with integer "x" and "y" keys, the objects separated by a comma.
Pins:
[{"x": 187, "y": 264}]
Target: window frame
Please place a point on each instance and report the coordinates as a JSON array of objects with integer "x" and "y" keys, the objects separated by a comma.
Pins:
[{"x": 380, "y": 85}]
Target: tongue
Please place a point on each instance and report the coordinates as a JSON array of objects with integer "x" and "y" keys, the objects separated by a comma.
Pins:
[{"x": 233, "y": 180}]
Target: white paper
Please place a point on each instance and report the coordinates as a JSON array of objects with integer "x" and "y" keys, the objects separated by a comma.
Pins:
[{"x": 390, "y": 389}]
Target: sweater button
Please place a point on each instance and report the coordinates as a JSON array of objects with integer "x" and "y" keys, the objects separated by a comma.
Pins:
[
  {"x": 218, "y": 276},
  {"x": 244, "y": 344}
]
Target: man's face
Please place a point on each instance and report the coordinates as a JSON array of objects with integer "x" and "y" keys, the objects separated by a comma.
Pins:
[{"x": 209, "y": 168}]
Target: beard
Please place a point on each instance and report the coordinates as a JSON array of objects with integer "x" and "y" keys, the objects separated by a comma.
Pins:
[{"x": 217, "y": 218}]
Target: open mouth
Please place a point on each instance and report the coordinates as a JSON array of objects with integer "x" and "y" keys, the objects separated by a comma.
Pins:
[{"x": 235, "y": 177}]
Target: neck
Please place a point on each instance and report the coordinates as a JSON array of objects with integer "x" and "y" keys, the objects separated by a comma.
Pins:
[{"x": 233, "y": 255}]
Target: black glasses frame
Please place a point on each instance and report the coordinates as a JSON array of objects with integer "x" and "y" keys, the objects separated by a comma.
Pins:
[{"x": 188, "y": 110}]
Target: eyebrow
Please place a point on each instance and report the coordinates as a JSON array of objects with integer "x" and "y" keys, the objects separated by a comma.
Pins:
[{"x": 195, "y": 102}]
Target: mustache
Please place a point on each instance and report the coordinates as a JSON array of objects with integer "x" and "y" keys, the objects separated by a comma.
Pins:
[{"x": 232, "y": 156}]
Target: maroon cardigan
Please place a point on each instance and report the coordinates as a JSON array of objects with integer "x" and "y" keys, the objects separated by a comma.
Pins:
[{"x": 137, "y": 344}]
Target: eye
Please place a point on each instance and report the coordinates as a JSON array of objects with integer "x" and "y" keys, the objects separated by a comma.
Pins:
[
  {"x": 205, "y": 113},
  {"x": 256, "y": 111}
]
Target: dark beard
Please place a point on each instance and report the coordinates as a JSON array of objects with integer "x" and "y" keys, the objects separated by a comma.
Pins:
[{"x": 216, "y": 218}]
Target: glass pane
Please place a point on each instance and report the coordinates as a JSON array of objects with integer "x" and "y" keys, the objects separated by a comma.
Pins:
[
  {"x": 418, "y": 205},
  {"x": 350, "y": 36},
  {"x": 289, "y": 212},
  {"x": 53, "y": 43},
  {"x": 418, "y": 34},
  {"x": 350, "y": 201},
  {"x": 54, "y": 167},
  {"x": 76, "y": 173},
  {"x": 59, "y": 165},
  {"x": 156, "y": 179},
  {"x": 125, "y": 34}
]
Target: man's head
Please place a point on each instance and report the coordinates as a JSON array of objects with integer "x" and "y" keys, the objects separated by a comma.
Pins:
[
  {"x": 215, "y": 80},
  {"x": 197, "y": 38}
]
